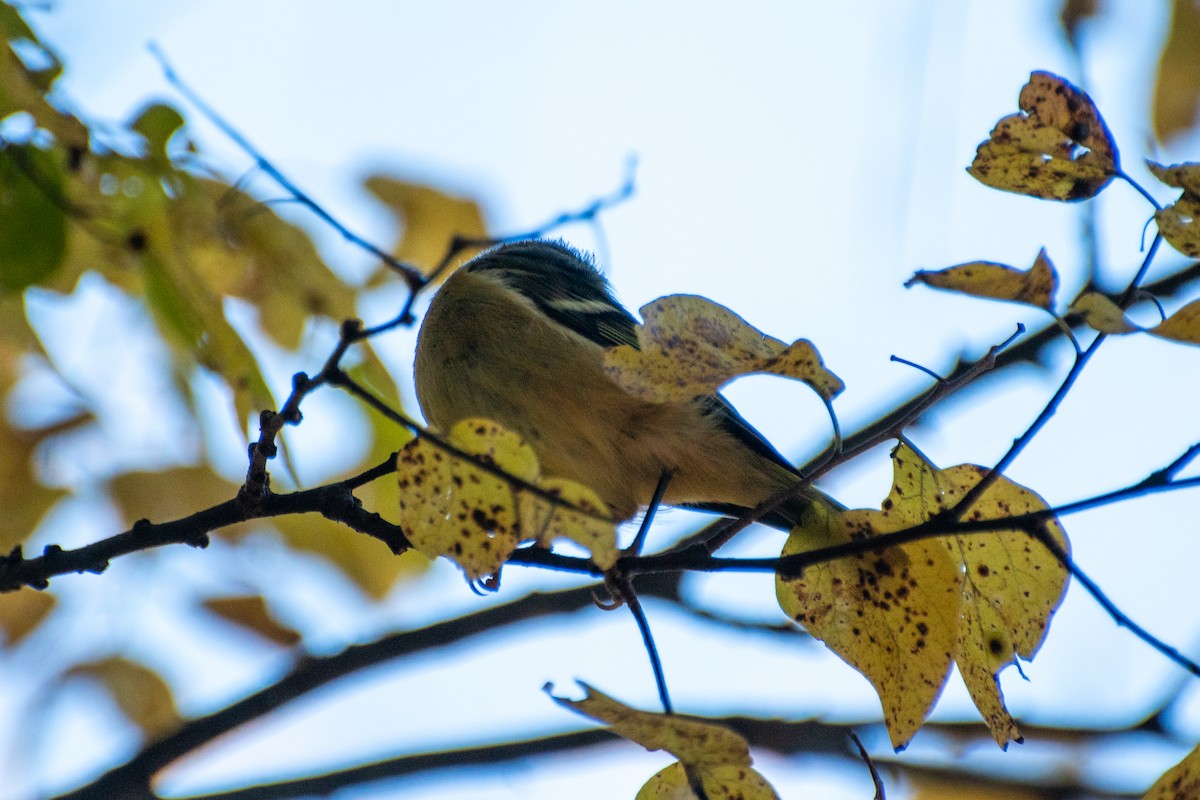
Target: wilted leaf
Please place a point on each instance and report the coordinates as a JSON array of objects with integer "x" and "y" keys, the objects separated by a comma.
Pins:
[
  {"x": 691, "y": 346},
  {"x": 1179, "y": 223},
  {"x": 141, "y": 695},
  {"x": 1012, "y": 585},
  {"x": 1035, "y": 287},
  {"x": 33, "y": 228},
  {"x": 22, "y": 611},
  {"x": 251, "y": 612},
  {"x": 725, "y": 782},
  {"x": 1102, "y": 314},
  {"x": 1182, "y": 326},
  {"x": 1180, "y": 782},
  {"x": 1177, "y": 84},
  {"x": 892, "y": 615},
  {"x": 1058, "y": 148},
  {"x": 431, "y": 219}
]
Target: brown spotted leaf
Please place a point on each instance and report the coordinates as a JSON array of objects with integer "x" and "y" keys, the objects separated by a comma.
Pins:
[
  {"x": 1180, "y": 782},
  {"x": 1012, "y": 585},
  {"x": 1179, "y": 223},
  {"x": 1035, "y": 286},
  {"x": 452, "y": 506},
  {"x": 893, "y": 614},
  {"x": 1056, "y": 148},
  {"x": 690, "y": 346}
]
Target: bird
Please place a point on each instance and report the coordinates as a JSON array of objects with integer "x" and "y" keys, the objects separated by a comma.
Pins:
[{"x": 517, "y": 335}]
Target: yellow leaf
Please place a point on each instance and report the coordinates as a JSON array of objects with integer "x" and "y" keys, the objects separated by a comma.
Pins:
[
  {"x": 1177, "y": 84},
  {"x": 363, "y": 560},
  {"x": 1182, "y": 326},
  {"x": 141, "y": 695},
  {"x": 251, "y": 612},
  {"x": 1180, "y": 782},
  {"x": 1035, "y": 287},
  {"x": 549, "y": 521},
  {"x": 1012, "y": 585},
  {"x": 724, "y": 782},
  {"x": 1057, "y": 148},
  {"x": 892, "y": 615},
  {"x": 22, "y": 496},
  {"x": 1179, "y": 223},
  {"x": 22, "y": 611},
  {"x": 1102, "y": 314},
  {"x": 451, "y": 507},
  {"x": 695, "y": 742},
  {"x": 690, "y": 346},
  {"x": 170, "y": 493},
  {"x": 431, "y": 219}
]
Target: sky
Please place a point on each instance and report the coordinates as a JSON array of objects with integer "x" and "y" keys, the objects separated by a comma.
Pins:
[{"x": 796, "y": 162}]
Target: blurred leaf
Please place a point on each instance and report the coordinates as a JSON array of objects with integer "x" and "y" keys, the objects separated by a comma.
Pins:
[
  {"x": 1035, "y": 287},
  {"x": 1180, "y": 782},
  {"x": 141, "y": 695},
  {"x": 1073, "y": 14},
  {"x": 892, "y": 615},
  {"x": 1179, "y": 223},
  {"x": 157, "y": 123},
  {"x": 22, "y": 496},
  {"x": 1177, "y": 85},
  {"x": 33, "y": 228},
  {"x": 362, "y": 559},
  {"x": 430, "y": 218},
  {"x": 22, "y": 611},
  {"x": 1057, "y": 148},
  {"x": 170, "y": 493},
  {"x": 23, "y": 89},
  {"x": 1102, "y": 314},
  {"x": 251, "y": 613},
  {"x": 690, "y": 346},
  {"x": 1182, "y": 326},
  {"x": 241, "y": 247}
]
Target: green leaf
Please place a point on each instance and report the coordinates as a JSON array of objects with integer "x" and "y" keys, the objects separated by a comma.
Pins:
[{"x": 33, "y": 228}]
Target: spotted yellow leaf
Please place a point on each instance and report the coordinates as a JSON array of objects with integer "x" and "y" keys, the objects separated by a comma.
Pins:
[
  {"x": 1056, "y": 148},
  {"x": 724, "y": 782},
  {"x": 1035, "y": 286},
  {"x": 690, "y": 346},
  {"x": 1179, "y": 223},
  {"x": 1011, "y": 587},
  {"x": 1180, "y": 782},
  {"x": 452, "y": 506},
  {"x": 893, "y": 614}
]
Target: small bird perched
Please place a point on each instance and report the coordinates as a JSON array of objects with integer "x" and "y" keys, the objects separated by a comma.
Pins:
[{"x": 517, "y": 335}]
